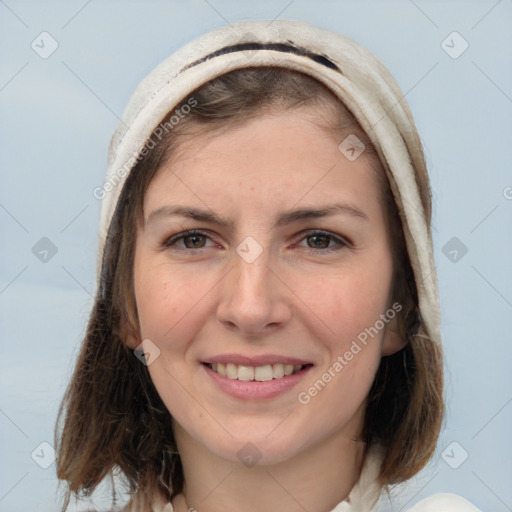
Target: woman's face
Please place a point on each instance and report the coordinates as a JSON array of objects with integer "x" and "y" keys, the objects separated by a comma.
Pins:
[{"x": 289, "y": 269}]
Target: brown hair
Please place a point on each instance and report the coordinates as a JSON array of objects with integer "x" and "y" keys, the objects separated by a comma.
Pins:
[{"x": 113, "y": 418}]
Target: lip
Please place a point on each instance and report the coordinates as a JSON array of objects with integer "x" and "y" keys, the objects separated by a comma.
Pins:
[
  {"x": 254, "y": 390},
  {"x": 260, "y": 360}
]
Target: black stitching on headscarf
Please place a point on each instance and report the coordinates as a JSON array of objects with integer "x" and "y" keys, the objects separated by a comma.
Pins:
[{"x": 280, "y": 47}]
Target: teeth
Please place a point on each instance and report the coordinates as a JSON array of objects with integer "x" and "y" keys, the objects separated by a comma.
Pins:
[
  {"x": 231, "y": 371},
  {"x": 278, "y": 370},
  {"x": 263, "y": 373},
  {"x": 245, "y": 373},
  {"x": 258, "y": 373}
]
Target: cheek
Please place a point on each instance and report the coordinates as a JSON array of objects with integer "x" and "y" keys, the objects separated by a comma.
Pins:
[
  {"x": 349, "y": 307},
  {"x": 169, "y": 303},
  {"x": 350, "y": 301},
  {"x": 156, "y": 304}
]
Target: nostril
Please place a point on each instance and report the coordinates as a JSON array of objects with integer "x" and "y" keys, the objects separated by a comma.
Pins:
[{"x": 229, "y": 324}]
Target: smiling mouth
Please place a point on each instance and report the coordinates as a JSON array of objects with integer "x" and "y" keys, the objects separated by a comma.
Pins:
[{"x": 256, "y": 373}]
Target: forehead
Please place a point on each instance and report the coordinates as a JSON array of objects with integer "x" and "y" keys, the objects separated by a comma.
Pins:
[{"x": 272, "y": 161}]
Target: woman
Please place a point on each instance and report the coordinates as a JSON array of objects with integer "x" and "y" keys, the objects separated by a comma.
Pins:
[{"x": 265, "y": 333}]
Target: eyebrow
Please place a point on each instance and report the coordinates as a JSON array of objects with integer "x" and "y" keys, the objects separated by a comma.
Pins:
[
  {"x": 291, "y": 216},
  {"x": 283, "y": 219},
  {"x": 191, "y": 213}
]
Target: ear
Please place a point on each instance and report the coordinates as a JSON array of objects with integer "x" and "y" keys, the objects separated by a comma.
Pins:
[
  {"x": 130, "y": 337},
  {"x": 393, "y": 341}
]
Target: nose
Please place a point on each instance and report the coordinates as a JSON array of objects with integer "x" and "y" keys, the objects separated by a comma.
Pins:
[{"x": 254, "y": 301}]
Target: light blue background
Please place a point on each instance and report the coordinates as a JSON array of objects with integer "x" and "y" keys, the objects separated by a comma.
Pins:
[{"x": 57, "y": 117}]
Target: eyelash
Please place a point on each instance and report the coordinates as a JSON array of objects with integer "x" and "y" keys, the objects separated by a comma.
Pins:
[
  {"x": 171, "y": 242},
  {"x": 340, "y": 242}
]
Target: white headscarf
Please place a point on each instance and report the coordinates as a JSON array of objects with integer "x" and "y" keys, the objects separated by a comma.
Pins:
[{"x": 353, "y": 74}]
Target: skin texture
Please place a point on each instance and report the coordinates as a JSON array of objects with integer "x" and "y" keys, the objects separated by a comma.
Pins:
[{"x": 296, "y": 299}]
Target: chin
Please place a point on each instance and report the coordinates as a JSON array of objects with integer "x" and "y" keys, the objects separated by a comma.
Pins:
[{"x": 250, "y": 451}]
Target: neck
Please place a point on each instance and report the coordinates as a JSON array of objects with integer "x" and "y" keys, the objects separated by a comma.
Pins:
[{"x": 315, "y": 480}]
